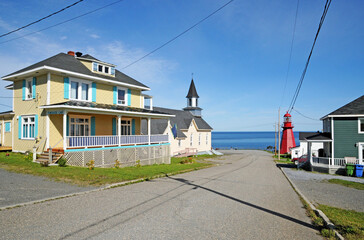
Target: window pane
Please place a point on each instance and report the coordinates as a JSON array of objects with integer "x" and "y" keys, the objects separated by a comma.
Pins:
[
  {"x": 25, "y": 120},
  {"x": 74, "y": 90},
  {"x": 361, "y": 125},
  {"x": 72, "y": 120},
  {"x": 121, "y": 96},
  {"x": 72, "y": 133},
  {"x": 82, "y": 130},
  {"x": 100, "y": 68},
  {"x": 31, "y": 119},
  {"x": 106, "y": 69},
  {"x": 86, "y": 130},
  {"x": 29, "y": 89},
  {"x": 84, "y": 91}
]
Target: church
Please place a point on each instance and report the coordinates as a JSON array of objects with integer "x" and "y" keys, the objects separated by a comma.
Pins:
[{"x": 187, "y": 130}]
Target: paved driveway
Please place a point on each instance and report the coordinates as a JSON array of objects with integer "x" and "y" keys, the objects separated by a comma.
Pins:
[
  {"x": 245, "y": 198},
  {"x": 18, "y": 188},
  {"x": 318, "y": 190}
]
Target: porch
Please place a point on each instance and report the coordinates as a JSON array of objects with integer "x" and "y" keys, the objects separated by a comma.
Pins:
[{"x": 332, "y": 165}]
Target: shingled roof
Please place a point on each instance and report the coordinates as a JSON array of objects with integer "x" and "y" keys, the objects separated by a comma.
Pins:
[
  {"x": 71, "y": 63},
  {"x": 182, "y": 119},
  {"x": 315, "y": 136},
  {"x": 355, "y": 107}
]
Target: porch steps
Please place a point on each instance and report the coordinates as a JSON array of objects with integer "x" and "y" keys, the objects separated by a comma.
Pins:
[{"x": 44, "y": 157}]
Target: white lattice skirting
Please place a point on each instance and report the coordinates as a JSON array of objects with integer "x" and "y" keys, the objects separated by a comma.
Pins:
[{"x": 147, "y": 155}]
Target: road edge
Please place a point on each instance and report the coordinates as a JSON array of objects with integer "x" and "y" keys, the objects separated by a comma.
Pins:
[
  {"x": 106, "y": 187},
  {"x": 326, "y": 220}
]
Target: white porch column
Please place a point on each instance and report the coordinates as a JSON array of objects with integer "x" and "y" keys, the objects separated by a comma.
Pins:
[
  {"x": 309, "y": 152},
  {"x": 47, "y": 130},
  {"x": 48, "y": 88},
  {"x": 151, "y": 104},
  {"x": 149, "y": 131},
  {"x": 119, "y": 129},
  {"x": 64, "y": 130}
]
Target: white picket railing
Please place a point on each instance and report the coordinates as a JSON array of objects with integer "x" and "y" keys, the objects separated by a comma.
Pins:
[
  {"x": 93, "y": 141},
  {"x": 331, "y": 161}
]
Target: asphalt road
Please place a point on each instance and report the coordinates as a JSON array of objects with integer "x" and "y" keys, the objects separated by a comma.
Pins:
[{"x": 247, "y": 197}]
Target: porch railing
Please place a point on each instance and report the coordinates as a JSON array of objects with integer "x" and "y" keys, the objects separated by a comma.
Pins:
[
  {"x": 93, "y": 141},
  {"x": 331, "y": 161}
]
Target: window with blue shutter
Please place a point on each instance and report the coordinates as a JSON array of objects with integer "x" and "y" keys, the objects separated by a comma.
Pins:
[
  {"x": 94, "y": 92},
  {"x": 93, "y": 127},
  {"x": 115, "y": 94},
  {"x": 133, "y": 126},
  {"x": 113, "y": 70},
  {"x": 66, "y": 81},
  {"x": 94, "y": 66},
  {"x": 7, "y": 127},
  {"x": 24, "y": 90},
  {"x": 114, "y": 126},
  {"x": 129, "y": 97},
  {"x": 34, "y": 83}
]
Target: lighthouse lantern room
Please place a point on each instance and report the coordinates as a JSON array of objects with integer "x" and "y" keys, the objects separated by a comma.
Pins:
[{"x": 288, "y": 141}]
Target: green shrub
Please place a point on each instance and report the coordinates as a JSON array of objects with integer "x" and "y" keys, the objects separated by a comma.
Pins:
[
  {"x": 91, "y": 165},
  {"x": 62, "y": 162},
  {"x": 28, "y": 156},
  {"x": 117, "y": 164},
  {"x": 138, "y": 165}
]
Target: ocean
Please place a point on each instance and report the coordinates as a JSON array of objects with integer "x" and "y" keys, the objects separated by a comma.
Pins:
[{"x": 245, "y": 140}]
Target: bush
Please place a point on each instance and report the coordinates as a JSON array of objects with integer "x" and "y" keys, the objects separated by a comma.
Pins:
[
  {"x": 138, "y": 165},
  {"x": 91, "y": 165},
  {"x": 62, "y": 162},
  {"x": 28, "y": 156},
  {"x": 117, "y": 164}
]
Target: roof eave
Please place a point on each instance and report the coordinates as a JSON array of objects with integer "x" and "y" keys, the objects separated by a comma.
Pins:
[
  {"x": 8, "y": 78},
  {"x": 106, "y": 111}
]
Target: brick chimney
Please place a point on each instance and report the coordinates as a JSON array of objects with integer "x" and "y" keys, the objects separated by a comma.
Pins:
[{"x": 72, "y": 53}]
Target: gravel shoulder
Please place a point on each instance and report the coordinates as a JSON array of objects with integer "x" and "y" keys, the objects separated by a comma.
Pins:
[
  {"x": 316, "y": 188},
  {"x": 18, "y": 188}
]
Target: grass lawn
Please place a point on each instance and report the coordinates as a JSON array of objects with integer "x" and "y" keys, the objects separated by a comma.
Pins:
[
  {"x": 349, "y": 223},
  {"x": 283, "y": 159},
  {"x": 17, "y": 162},
  {"x": 349, "y": 184}
]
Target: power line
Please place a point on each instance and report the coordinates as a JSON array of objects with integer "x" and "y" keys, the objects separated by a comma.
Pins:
[
  {"x": 290, "y": 52},
  {"x": 326, "y": 8},
  {"x": 182, "y": 33},
  {"x": 305, "y": 115},
  {"x": 63, "y": 22},
  {"x": 39, "y": 20}
]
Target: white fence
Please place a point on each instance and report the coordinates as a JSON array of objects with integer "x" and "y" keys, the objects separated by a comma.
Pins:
[
  {"x": 331, "y": 161},
  {"x": 93, "y": 141},
  {"x": 148, "y": 155}
]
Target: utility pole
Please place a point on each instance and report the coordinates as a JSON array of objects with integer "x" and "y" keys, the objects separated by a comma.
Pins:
[
  {"x": 275, "y": 139},
  {"x": 279, "y": 134}
]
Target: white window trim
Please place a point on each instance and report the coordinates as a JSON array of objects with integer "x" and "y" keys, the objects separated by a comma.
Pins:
[
  {"x": 359, "y": 120},
  {"x": 79, "y": 90},
  {"x": 27, "y": 91},
  {"x": 5, "y": 127},
  {"x": 103, "y": 69},
  {"x": 79, "y": 116},
  {"x": 127, "y": 124},
  {"x": 125, "y": 96},
  {"x": 22, "y": 127}
]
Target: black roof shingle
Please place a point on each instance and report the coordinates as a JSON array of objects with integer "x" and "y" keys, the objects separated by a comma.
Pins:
[{"x": 71, "y": 63}]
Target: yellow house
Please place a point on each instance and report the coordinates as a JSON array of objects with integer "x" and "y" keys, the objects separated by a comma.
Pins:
[{"x": 80, "y": 106}]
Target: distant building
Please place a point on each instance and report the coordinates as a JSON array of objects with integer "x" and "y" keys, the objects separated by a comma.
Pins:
[
  {"x": 187, "y": 129},
  {"x": 302, "y": 149}
]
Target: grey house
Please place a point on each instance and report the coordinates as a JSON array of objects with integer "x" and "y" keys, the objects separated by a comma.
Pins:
[{"x": 342, "y": 137}]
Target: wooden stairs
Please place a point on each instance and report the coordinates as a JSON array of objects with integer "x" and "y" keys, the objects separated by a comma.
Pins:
[{"x": 44, "y": 157}]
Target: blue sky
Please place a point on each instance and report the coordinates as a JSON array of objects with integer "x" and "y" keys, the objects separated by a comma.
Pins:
[{"x": 239, "y": 56}]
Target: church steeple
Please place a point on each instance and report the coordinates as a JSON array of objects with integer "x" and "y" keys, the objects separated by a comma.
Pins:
[{"x": 192, "y": 100}]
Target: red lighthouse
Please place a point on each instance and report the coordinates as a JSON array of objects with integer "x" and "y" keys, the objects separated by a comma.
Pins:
[{"x": 287, "y": 136}]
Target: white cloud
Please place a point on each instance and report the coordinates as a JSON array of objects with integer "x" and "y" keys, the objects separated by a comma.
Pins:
[
  {"x": 63, "y": 38},
  {"x": 95, "y": 36}
]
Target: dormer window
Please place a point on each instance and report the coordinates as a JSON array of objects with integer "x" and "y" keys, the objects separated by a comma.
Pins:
[{"x": 97, "y": 67}]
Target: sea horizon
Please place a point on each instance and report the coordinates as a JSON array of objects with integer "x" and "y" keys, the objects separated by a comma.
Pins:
[{"x": 245, "y": 139}]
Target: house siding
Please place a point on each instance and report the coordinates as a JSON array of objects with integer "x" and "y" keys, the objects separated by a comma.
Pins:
[
  {"x": 345, "y": 137},
  {"x": 29, "y": 107},
  {"x": 6, "y": 137}
]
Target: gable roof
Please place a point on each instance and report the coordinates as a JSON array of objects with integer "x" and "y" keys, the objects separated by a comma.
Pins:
[
  {"x": 71, "y": 63},
  {"x": 182, "y": 119},
  {"x": 355, "y": 107},
  {"x": 314, "y": 136},
  {"x": 192, "y": 91}
]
